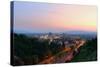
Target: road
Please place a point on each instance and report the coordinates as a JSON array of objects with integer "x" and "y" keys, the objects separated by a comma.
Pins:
[{"x": 66, "y": 55}]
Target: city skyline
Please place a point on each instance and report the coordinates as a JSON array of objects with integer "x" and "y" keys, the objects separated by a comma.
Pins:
[{"x": 36, "y": 17}]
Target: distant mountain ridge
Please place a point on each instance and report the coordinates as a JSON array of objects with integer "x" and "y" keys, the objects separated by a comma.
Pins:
[{"x": 80, "y": 32}]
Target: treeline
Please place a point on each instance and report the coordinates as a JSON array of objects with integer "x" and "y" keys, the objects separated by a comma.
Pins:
[
  {"x": 88, "y": 52},
  {"x": 31, "y": 50}
]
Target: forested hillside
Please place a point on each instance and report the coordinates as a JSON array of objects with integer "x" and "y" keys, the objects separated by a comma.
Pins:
[
  {"x": 88, "y": 52},
  {"x": 29, "y": 50}
]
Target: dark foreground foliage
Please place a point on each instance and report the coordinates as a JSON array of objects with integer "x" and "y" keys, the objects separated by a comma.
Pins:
[
  {"x": 88, "y": 52},
  {"x": 29, "y": 50}
]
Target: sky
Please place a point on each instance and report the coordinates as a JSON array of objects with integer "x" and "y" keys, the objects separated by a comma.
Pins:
[{"x": 36, "y": 17}]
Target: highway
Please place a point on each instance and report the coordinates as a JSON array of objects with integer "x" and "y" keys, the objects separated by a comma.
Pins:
[{"x": 65, "y": 55}]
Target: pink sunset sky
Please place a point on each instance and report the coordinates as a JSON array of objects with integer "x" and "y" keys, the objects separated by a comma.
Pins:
[{"x": 44, "y": 17}]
